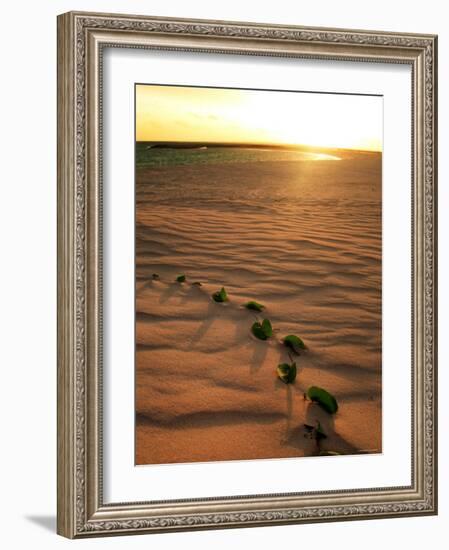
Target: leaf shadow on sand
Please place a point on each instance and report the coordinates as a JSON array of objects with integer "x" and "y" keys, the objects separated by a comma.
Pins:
[
  {"x": 259, "y": 355},
  {"x": 289, "y": 411},
  {"x": 333, "y": 441},
  {"x": 202, "y": 419},
  {"x": 169, "y": 292},
  {"x": 205, "y": 325},
  {"x": 193, "y": 291},
  {"x": 290, "y": 391},
  {"x": 144, "y": 284}
]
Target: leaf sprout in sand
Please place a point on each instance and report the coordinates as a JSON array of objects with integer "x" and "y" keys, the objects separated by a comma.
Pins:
[
  {"x": 287, "y": 372},
  {"x": 326, "y": 400},
  {"x": 254, "y": 306},
  {"x": 181, "y": 278},
  {"x": 220, "y": 296},
  {"x": 263, "y": 330},
  {"x": 294, "y": 343}
]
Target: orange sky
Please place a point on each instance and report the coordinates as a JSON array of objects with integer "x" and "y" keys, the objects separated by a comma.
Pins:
[{"x": 173, "y": 113}]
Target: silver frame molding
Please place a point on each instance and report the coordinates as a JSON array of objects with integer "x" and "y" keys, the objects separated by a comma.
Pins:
[{"x": 81, "y": 39}]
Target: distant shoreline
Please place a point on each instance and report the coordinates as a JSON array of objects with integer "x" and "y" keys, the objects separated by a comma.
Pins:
[
  {"x": 239, "y": 145},
  {"x": 159, "y": 154}
]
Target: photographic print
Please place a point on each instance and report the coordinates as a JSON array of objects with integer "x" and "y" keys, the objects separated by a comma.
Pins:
[{"x": 258, "y": 274}]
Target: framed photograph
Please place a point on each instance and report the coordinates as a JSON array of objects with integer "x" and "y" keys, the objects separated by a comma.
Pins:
[{"x": 246, "y": 274}]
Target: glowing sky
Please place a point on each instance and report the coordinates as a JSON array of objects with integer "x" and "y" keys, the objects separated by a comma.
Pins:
[{"x": 169, "y": 113}]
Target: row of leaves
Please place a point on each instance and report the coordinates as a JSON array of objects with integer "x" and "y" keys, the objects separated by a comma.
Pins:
[{"x": 286, "y": 371}]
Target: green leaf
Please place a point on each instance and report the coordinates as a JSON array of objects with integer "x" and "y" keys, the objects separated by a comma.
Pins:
[
  {"x": 255, "y": 306},
  {"x": 181, "y": 278},
  {"x": 323, "y": 398},
  {"x": 287, "y": 372},
  {"x": 258, "y": 331},
  {"x": 294, "y": 342},
  {"x": 267, "y": 328},
  {"x": 220, "y": 295},
  {"x": 263, "y": 330}
]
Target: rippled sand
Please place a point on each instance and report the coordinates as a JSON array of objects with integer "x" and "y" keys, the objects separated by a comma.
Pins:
[{"x": 303, "y": 238}]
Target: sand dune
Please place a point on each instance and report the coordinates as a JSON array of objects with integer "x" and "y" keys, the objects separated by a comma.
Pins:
[{"x": 303, "y": 238}]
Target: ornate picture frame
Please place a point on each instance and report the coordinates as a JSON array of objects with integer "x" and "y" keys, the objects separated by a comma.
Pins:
[{"x": 82, "y": 39}]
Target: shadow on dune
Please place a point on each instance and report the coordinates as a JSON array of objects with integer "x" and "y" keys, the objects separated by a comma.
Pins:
[
  {"x": 289, "y": 394},
  {"x": 362, "y": 395},
  {"x": 333, "y": 442},
  {"x": 169, "y": 292},
  {"x": 259, "y": 355},
  {"x": 290, "y": 390},
  {"x": 194, "y": 291},
  {"x": 232, "y": 385},
  {"x": 147, "y": 283},
  {"x": 205, "y": 325},
  {"x": 350, "y": 370},
  {"x": 203, "y": 419}
]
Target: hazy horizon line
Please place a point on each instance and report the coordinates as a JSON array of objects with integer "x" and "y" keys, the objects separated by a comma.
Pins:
[{"x": 192, "y": 144}]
